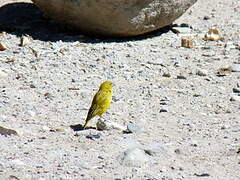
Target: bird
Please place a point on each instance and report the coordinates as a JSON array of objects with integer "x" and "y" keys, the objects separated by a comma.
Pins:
[{"x": 101, "y": 101}]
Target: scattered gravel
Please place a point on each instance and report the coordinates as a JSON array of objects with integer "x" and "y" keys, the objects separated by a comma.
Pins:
[{"x": 189, "y": 120}]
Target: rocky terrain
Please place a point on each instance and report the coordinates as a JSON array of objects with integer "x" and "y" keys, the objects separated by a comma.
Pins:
[{"x": 182, "y": 105}]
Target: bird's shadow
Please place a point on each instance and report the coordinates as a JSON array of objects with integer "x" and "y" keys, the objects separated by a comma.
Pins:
[
  {"x": 79, "y": 127},
  {"x": 26, "y": 19}
]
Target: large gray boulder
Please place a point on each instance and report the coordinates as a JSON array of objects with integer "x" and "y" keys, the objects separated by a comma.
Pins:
[{"x": 115, "y": 17}]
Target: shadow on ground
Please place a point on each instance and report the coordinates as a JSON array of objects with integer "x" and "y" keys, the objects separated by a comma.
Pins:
[
  {"x": 79, "y": 127},
  {"x": 26, "y": 19}
]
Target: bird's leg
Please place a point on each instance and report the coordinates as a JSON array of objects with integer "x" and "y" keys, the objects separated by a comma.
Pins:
[{"x": 84, "y": 126}]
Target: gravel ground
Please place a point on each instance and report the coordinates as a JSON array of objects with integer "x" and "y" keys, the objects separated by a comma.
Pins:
[{"x": 186, "y": 115}]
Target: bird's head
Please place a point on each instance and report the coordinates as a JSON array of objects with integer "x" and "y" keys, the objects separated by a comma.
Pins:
[{"x": 106, "y": 85}]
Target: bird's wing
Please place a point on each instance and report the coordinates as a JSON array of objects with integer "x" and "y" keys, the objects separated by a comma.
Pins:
[
  {"x": 93, "y": 111},
  {"x": 100, "y": 98},
  {"x": 99, "y": 101}
]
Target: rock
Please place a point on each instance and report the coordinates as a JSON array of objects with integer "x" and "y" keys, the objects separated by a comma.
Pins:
[
  {"x": 177, "y": 151},
  {"x": 224, "y": 126},
  {"x": 6, "y": 132},
  {"x": 32, "y": 86},
  {"x": 202, "y": 72},
  {"x": 133, "y": 157},
  {"x": 163, "y": 110},
  {"x": 25, "y": 40},
  {"x": 202, "y": 175},
  {"x": 235, "y": 68},
  {"x": 236, "y": 90},
  {"x": 11, "y": 177},
  {"x": 166, "y": 74},
  {"x": 2, "y": 34},
  {"x": 182, "y": 30},
  {"x": 107, "y": 125},
  {"x": 115, "y": 18},
  {"x": 93, "y": 136},
  {"x": 213, "y": 34},
  {"x": 3, "y": 47},
  {"x": 133, "y": 128},
  {"x": 49, "y": 96},
  {"x": 187, "y": 42},
  {"x": 224, "y": 71},
  {"x": 206, "y": 18},
  {"x": 209, "y": 54},
  {"x": 181, "y": 76},
  {"x": 235, "y": 98}
]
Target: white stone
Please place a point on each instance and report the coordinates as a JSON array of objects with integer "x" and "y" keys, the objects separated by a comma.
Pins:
[
  {"x": 202, "y": 72},
  {"x": 235, "y": 98},
  {"x": 133, "y": 157},
  {"x": 182, "y": 30},
  {"x": 107, "y": 125},
  {"x": 235, "y": 68}
]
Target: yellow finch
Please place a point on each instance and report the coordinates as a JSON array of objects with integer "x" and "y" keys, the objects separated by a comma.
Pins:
[{"x": 101, "y": 101}]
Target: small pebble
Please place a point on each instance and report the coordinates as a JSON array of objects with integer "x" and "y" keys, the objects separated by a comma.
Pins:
[
  {"x": 93, "y": 136},
  {"x": 236, "y": 90},
  {"x": 11, "y": 177},
  {"x": 166, "y": 75},
  {"x": 224, "y": 71},
  {"x": 187, "y": 42},
  {"x": 213, "y": 34},
  {"x": 182, "y": 30},
  {"x": 202, "y": 72},
  {"x": 163, "y": 110},
  {"x": 3, "y": 47},
  {"x": 235, "y": 68},
  {"x": 224, "y": 127},
  {"x": 202, "y": 175},
  {"x": 25, "y": 40},
  {"x": 49, "y": 96},
  {"x": 209, "y": 54},
  {"x": 177, "y": 151},
  {"x": 181, "y": 76},
  {"x": 206, "y": 18},
  {"x": 32, "y": 86},
  {"x": 235, "y": 98},
  {"x": 6, "y": 132},
  {"x": 107, "y": 125}
]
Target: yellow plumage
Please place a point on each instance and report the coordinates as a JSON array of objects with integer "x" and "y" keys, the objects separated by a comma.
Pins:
[{"x": 101, "y": 101}]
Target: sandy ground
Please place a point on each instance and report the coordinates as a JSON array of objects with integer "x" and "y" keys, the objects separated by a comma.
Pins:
[{"x": 189, "y": 123}]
